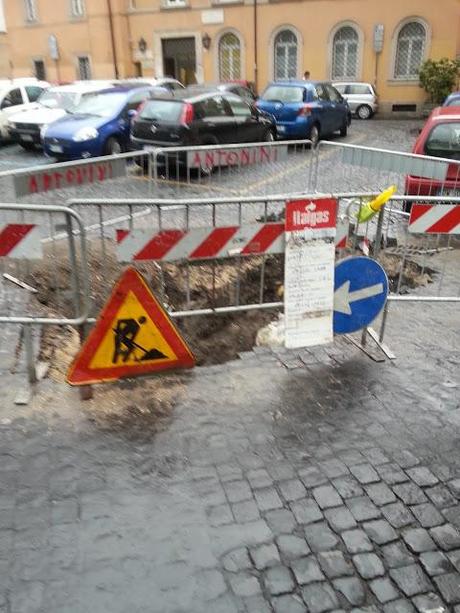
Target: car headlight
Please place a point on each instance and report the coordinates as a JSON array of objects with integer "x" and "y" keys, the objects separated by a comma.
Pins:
[
  {"x": 85, "y": 134},
  {"x": 43, "y": 130}
]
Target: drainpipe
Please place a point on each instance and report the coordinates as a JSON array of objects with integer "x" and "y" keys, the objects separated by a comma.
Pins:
[
  {"x": 256, "y": 70},
  {"x": 112, "y": 39}
]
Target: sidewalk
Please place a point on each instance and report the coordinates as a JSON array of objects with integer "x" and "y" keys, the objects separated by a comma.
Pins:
[{"x": 283, "y": 482}]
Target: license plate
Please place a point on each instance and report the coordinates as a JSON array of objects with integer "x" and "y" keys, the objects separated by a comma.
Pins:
[
  {"x": 56, "y": 148},
  {"x": 27, "y": 137}
]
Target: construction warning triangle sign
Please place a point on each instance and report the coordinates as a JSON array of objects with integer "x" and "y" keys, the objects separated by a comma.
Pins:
[{"x": 133, "y": 336}]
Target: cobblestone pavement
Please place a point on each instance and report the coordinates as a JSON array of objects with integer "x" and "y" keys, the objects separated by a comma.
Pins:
[{"x": 284, "y": 482}]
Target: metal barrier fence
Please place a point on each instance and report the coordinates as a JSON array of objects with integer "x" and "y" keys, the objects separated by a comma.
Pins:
[
  {"x": 341, "y": 167},
  {"x": 169, "y": 235},
  {"x": 248, "y": 169},
  {"x": 41, "y": 282}
]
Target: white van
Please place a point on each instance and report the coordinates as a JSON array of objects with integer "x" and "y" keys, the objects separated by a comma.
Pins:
[
  {"x": 361, "y": 97},
  {"x": 17, "y": 95}
]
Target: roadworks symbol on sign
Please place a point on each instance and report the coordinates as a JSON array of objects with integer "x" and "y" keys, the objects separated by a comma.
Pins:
[{"x": 133, "y": 336}]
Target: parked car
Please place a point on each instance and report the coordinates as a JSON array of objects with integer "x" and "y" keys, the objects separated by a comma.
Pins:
[
  {"x": 230, "y": 87},
  {"x": 452, "y": 100},
  {"x": 99, "y": 125},
  {"x": 168, "y": 83},
  {"x": 54, "y": 103},
  {"x": 305, "y": 109},
  {"x": 440, "y": 137},
  {"x": 17, "y": 95},
  {"x": 361, "y": 97},
  {"x": 200, "y": 118}
]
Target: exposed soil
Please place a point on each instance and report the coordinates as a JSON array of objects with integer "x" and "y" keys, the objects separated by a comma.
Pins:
[{"x": 213, "y": 339}]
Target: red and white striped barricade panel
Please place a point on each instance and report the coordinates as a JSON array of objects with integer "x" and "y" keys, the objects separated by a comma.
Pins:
[
  {"x": 206, "y": 243},
  {"x": 21, "y": 241},
  {"x": 435, "y": 219}
]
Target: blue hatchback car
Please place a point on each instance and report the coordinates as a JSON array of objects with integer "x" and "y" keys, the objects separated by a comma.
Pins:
[
  {"x": 99, "y": 125},
  {"x": 305, "y": 109}
]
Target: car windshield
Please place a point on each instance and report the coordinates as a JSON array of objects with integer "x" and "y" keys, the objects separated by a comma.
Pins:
[
  {"x": 444, "y": 141},
  {"x": 101, "y": 105},
  {"x": 161, "y": 110},
  {"x": 280, "y": 93},
  {"x": 59, "y": 100}
]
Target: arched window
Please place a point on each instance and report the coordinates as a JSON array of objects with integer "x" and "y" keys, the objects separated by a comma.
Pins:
[
  {"x": 285, "y": 54},
  {"x": 410, "y": 50},
  {"x": 229, "y": 57},
  {"x": 345, "y": 53}
]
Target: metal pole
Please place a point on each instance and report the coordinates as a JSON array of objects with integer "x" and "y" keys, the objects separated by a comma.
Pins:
[
  {"x": 256, "y": 68},
  {"x": 112, "y": 40},
  {"x": 29, "y": 351},
  {"x": 378, "y": 232}
]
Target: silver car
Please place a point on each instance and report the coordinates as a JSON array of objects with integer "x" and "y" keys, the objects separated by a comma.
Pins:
[{"x": 361, "y": 98}]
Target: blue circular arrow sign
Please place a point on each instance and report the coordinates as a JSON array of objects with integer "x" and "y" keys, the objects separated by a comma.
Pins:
[{"x": 360, "y": 293}]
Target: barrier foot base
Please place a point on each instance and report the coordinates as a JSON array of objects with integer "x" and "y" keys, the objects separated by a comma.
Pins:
[{"x": 386, "y": 350}]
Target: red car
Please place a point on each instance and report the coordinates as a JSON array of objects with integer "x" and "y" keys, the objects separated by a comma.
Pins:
[{"x": 440, "y": 137}]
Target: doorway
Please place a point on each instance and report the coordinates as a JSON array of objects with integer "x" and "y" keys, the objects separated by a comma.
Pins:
[{"x": 179, "y": 59}]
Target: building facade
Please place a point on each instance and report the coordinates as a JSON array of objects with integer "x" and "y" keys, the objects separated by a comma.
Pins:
[{"x": 254, "y": 40}]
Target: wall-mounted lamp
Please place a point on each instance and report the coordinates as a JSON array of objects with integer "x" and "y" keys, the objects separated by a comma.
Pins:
[
  {"x": 142, "y": 45},
  {"x": 206, "y": 41}
]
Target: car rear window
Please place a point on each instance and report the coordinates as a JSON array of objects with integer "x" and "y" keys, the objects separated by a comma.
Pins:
[
  {"x": 444, "y": 141},
  {"x": 453, "y": 102},
  {"x": 162, "y": 110},
  {"x": 359, "y": 90},
  {"x": 280, "y": 93}
]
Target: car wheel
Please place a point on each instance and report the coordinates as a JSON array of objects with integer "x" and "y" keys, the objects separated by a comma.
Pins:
[
  {"x": 268, "y": 137},
  {"x": 314, "y": 135},
  {"x": 344, "y": 129},
  {"x": 364, "y": 111},
  {"x": 112, "y": 146},
  {"x": 28, "y": 146}
]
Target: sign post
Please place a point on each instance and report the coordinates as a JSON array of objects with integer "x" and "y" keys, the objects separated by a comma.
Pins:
[{"x": 310, "y": 227}]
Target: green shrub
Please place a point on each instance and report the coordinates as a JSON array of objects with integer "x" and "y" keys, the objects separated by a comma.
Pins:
[{"x": 438, "y": 78}]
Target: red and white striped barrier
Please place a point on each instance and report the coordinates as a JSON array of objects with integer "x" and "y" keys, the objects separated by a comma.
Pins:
[
  {"x": 435, "y": 219},
  {"x": 20, "y": 240},
  {"x": 207, "y": 243}
]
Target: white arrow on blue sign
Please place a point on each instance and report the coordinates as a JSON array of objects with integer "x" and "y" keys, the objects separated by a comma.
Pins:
[{"x": 360, "y": 293}]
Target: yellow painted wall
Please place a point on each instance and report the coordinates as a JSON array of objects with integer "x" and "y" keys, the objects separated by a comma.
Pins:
[{"x": 313, "y": 19}]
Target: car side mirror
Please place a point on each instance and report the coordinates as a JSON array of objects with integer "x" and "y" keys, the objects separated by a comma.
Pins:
[{"x": 131, "y": 113}]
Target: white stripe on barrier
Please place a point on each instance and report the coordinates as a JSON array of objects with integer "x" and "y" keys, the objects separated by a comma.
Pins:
[
  {"x": 171, "y": 245},
  {"x": 435, "y": 219}
]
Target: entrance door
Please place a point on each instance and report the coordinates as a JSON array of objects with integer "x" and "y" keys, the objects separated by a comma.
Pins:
[{"x": 179, "y": 60}]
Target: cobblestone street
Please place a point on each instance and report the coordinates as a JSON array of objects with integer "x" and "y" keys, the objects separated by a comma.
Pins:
[{"x": 286, "y": 482}]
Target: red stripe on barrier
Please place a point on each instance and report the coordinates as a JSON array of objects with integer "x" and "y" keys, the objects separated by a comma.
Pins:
[
  {"x": 417, "y": 211},
  {"x": 342, "y": 244},
  {"x": 11, "y": 235},
  {"x": 447, "y": 223},
  {"x": 121, "y": 235},
  {"x": 213, "y": 243},
  {"x": 264, "y": 238},
  {"x": 160, "y": 244}
]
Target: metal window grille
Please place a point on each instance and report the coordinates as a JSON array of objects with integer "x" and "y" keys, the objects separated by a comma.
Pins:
[
  {"x": 84, "y": 69},
  {"x": 285, "y": 48},
  {"x": 77, "y": 8},
  {"x": 229, "y": 57},
  {"x": 345, "y": 53},
  {"x": 175, "y": 2},
  {"x": 40, "y": 70},
  {"x": 31, "y": 10},
  {"x": 409, "y": 50}
]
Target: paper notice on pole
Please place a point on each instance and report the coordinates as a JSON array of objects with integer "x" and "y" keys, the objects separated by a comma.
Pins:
[
  {"x": 309, "y": 273},
  {"x": 309, "y": 292}
]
